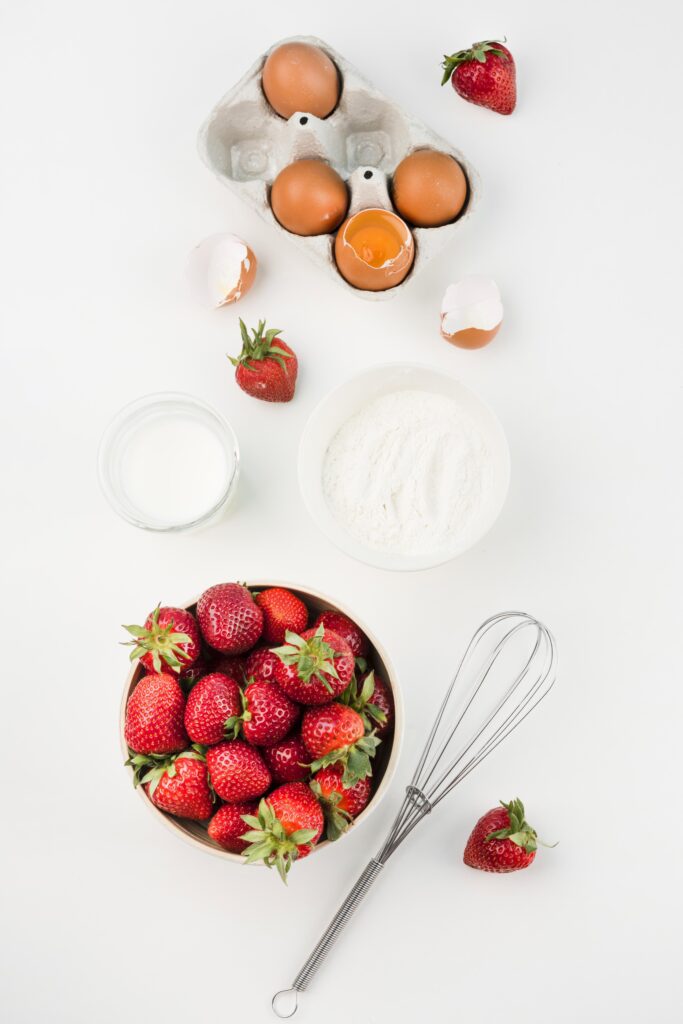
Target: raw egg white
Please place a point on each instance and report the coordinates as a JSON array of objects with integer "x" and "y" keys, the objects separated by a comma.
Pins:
[
  {"x": 300, "y": 78},
  {"x": 374, "y": 250}
]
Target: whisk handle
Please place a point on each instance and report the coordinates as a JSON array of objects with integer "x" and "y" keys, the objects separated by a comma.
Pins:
[{"x": 327, "y": 940}]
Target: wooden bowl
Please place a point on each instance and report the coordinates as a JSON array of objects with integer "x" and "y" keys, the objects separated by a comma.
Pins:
[{"x": 384, "y": 764}]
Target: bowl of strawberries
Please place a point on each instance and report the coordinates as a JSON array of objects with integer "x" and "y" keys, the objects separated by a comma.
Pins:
[{"x": 260, "y": 722}]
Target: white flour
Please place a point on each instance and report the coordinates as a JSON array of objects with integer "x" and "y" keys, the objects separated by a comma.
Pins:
[{"x": 407, "y": 474}]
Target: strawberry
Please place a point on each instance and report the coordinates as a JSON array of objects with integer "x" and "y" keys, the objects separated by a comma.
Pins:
[
  {"x": 288, "y": 825},
  {"x": 230, "y": 665},
  {"x": 154, "y": 716},
  {"x": 314, "y": 667},
  {"x": 502, "y": 840},
  {"x": 267, "y": 715},
  {"x": 229, "y": 619},
  {"x": 189, "y": 676},
  {"x": 178, "y": 784},
  {"x": 266, "y": 366},
  {"x": 287, "y": 760},
  {"x": 237, "y": 771},
  {"x": 340, "y": 804},
  {"x": 212, "y": 702},
  {"x": 169, "y": 639},
  {"x": 373, "y": 702},
  {"x": 282, "y": 610},
  {"x": 227, "y": 825},
  {"x": 261, "y": 664},
  {"x": 344, "y": 627},
  {"x": 484, "y": 75},
  {"x": 335, "y": 734}
]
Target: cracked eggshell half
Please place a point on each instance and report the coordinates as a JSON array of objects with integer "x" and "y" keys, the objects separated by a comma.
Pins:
[
  {"x": 221, "y": 270},
  {"x": 471, "y": 312}
]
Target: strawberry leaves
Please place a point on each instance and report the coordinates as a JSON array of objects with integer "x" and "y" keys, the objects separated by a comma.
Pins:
[
  {"x": 313, "y": 659},
  {"x": 162, "y": 642},
  {"x": 356, "y": 760},
  {"x": 337, "y": 820},
  {"x": 518, "y": 831},
  {"x": 269, "y": 842},
  {"x": 260, "y": 346},
  {"x": 477, "y": 52},
  {"x": 361, "y": 700},
  {"x": 149, "y": 769}
]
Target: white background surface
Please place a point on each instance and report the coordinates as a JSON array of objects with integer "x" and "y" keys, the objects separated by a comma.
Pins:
[{"x": 108, "y": 917}]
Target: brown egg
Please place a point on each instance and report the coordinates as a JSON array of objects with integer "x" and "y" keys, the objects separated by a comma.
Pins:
[
  {"x": 309, "y": 198},
  {"x": 429, "y": 188},
  {"x": 374, "y": 250},
  {"x": 471, "y": 312},
  {"x": 300, "y": 77}
]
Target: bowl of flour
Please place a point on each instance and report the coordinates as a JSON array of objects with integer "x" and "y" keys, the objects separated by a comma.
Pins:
[{"x": 403, "y": 467}]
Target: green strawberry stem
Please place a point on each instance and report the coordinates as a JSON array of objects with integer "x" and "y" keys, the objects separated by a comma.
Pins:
[
  {"x": 151, "y": 768},
  {"x": 356, "y": 760},
  {"x": 362, "y": 702},
  {"x": 518, "y": 831},
  {"x": 337, "y": 820},
  {"x": 159, "y": 641},
  {"x": 259, "y": 346},
  {"x": 476, "y": 52},
  {"x": 270, "y": 843},
  {"x": 313, "y": 658}
]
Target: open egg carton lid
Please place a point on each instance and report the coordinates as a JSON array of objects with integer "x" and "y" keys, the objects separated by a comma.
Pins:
[{"x": 246, "y": 144}]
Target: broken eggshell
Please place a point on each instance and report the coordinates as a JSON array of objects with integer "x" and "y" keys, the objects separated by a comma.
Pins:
[
  {"x": 221, "y": 270},
  {"x": 471, "y": 312}
]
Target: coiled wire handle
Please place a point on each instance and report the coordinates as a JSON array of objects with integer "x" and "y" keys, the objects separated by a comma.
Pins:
[{"x": 329, "y": 937}]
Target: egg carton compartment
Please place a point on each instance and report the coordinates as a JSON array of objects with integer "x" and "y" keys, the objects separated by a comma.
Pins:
[{"x": 246, "y": 144}]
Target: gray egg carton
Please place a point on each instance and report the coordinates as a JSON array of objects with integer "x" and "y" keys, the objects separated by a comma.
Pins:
[{"x": 246, "y": 144}]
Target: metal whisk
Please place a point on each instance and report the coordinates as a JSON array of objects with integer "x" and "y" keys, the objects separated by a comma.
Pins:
[{"x": 505, "y": 672}]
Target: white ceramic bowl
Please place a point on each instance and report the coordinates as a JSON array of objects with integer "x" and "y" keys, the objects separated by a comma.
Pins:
[
  {"x": 385, "y": 763},
  {"x": 348, "y": 399}
]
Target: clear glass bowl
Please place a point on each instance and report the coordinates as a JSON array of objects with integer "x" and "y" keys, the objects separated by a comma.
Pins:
[{"x": 168, "y": 462}]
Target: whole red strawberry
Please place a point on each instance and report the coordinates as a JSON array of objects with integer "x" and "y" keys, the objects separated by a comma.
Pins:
[
  {"x": 267, "y": 715},
  {"x": 229, "y": 619},
  {"x": 169, "y": 639},
  {"x": 266, "y": 366},
  {"x": 288, "y": 759},
  {"x": 227, "y": 825},
  {"x": 484, "y": 75},
  {"x": 282, "y": 610},
  {"x": 335, "y": 734},
  {"x": 373, "y": 701},
  {"x": 347, "y": 629},
  {"x": 237, "y": 771},
  {"x": 260, "y": 664},
  {"x": 154, "y": 716},
  {"x": 212, "y": 702},
  {"x": 314, "y": 667},
  {"x": 340, "y": 804},
  {"x": 178, "y": 785},
  {"x": 502, "y": 840},
  {"x": 288, "y": 825}
]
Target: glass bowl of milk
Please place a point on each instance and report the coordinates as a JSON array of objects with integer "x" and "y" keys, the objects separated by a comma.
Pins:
[{"x": 168, "y": 462}]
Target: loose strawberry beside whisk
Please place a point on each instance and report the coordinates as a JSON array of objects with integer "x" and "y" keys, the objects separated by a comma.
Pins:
[{"x": 502, "y": 840}]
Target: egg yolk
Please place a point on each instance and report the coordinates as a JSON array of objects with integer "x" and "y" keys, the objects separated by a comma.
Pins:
[{"x": 376, "y": 236}]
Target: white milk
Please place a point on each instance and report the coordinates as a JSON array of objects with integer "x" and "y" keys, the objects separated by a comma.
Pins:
[{"x": 174, "y": 469}]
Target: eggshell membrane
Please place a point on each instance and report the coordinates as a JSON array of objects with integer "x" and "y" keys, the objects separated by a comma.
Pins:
[
  {"x": 222, "y": 269},
  {"x": 429, "y": 188},
  {"x": 357, "y": 270},
  {"x": 308, "y": 197},
  {"x": 471, "y": 312},
  {"x": 298, "y": 77}
]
